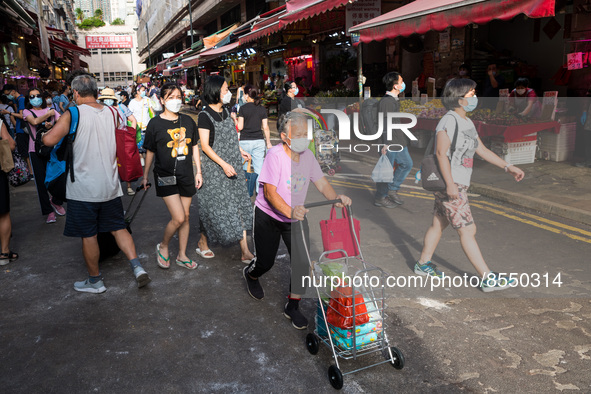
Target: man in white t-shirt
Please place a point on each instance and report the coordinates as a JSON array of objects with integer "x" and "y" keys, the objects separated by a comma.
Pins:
[{"x": 94, "y": 198}]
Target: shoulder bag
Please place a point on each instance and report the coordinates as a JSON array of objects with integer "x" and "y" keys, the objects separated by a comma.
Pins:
[{"x": 431, "y": 177}]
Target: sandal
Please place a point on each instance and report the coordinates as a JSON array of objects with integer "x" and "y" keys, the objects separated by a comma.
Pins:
[
  {"x": 189, "y": 264},
  {"x": 204, "y": 253},
  {"x": 162, "y": 262},
  {"x": 9, "y": 257}
]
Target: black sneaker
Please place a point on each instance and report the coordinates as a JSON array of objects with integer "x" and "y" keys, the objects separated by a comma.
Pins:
[
  {"x": 385, "y": 203},
  {"x": 393, "y": 195},
  {"x": 298, "y": 320},
  {"x": 253, "y": 286}
]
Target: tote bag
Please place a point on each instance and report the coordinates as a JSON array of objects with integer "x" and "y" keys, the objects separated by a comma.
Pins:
[
  {"x": 336, "y": 234},
  {"x": 431, "y": 177}
]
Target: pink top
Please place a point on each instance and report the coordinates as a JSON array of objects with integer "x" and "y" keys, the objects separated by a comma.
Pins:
[
  {"x": 39, "y": 113},
  {"x": 291, "y": 179}
]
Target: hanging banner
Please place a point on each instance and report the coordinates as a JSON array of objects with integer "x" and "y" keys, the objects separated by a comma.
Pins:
[
  {"x": 575, "y": 60},
  {"x": 361, "y": 11},
  {"x": 94, "y": 42}
]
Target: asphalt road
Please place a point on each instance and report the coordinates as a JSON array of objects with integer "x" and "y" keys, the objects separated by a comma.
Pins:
[{"x": 199, "y": 331}]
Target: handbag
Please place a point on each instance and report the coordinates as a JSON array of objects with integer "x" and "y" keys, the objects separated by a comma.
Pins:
[
  {"x": 41, "y": 150},
  {"x": 336, "y": 234},
  {"x": 170, "y": 180},
  {"x": 431, "y": 177},
  {"x": 340, "y": 308},
  {"x": 129, "y": 163},
  {"x": 6, "y": 160},
  {"x": 383, "y": 172},
  {"x": 20, "y": 173}
]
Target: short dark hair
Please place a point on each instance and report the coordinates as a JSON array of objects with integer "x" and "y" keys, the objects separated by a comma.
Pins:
[
  {"x": 212, "y": 89},
  {"x": 390, "y": 79},
  {"x": 167, "y": 90},
  {"x": 287, "y": 86},
  {"x": 28, "y": 104},
  {"x": 454, "y": 90},
  {"x": 136, "y": 90},
  {"x": 522, "y": 82},
  {"x": 63, "y": 89},
  {"x": 465, "y": 66},
  {"x": 124, "y": 93},
  {"x": 3, "y": 99},
  {"x": 8, "y": 87},
  {"x": 254, "y": 95}
]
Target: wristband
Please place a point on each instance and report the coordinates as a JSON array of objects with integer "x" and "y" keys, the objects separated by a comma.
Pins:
[{"x": 507, "y": 167}]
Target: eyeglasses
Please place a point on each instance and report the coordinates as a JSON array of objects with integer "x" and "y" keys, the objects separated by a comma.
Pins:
[{"x": 35, "y": 95}]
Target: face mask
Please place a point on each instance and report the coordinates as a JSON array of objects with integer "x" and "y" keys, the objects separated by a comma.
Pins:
[
  {"x": 48, "y": 102},
  {"x": 520, "y": 91},
  {"x": 402, "y": 87},
  {"x": 462, "y": 73},
  {"x": 109, "y": 102},
  {"x": 296, "y": 91},
  {"x": 10, "y": 97},
  {"x": 36, "y": 102},
  {"x": 227, "y": 98},
  {"x": 298, "y": 145},
  {"x": 173, "y": 105},
  {"x": 472, "y": 104},
  {"x": 143, "y": 93}
]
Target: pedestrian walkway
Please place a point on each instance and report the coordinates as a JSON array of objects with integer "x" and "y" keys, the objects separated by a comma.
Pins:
[{"x": 549, "y": 187}]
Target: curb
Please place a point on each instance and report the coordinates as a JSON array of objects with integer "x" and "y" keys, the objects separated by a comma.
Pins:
[{"x": 563, "y": 211}]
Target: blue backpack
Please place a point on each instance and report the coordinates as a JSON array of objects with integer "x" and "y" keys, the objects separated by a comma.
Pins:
[{"x": 61, "y": 160}]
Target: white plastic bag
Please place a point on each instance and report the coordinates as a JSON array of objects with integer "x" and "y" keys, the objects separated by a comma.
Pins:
[
  {"x": 383, "y": 172},
  {"x": 155, "y": 103}
]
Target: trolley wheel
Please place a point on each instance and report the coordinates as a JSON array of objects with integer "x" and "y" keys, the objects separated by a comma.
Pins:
[
  {"x": 312, "y": 343},
  {"x": 335, "y": 376},
  {"x": 331, "y": 171},
  {"x": 397, "y": 356}
]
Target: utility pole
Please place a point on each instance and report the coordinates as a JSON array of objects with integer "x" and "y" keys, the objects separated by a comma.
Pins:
[
  {"x": 191, "y": 22},
  {"x": 149, "y": 53}
]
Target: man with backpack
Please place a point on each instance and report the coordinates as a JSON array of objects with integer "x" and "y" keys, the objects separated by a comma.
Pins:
[
  {"x": 387, "y": 193},
  {"x": 94, "y": 196}
]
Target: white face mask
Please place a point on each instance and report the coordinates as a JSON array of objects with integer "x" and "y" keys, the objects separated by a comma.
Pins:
[
  {"x": 173, "y": 105},
  {"x": 298, "y": 145},
  {"x": 227, "y": 98}
]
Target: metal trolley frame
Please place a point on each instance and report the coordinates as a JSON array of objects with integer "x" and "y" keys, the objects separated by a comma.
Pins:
[{"x": 374, "y": 300}]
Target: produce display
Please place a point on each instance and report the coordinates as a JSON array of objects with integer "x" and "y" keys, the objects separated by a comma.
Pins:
[
  {"x": 433, "y": 109},
  {"x": 269, "y": 98},
  {"x": 491, "y": 117}
]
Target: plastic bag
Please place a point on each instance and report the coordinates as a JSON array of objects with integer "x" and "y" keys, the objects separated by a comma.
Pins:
[
  {"x": 155, "y": 103},
  {"x": 340, "y": 308},
  {"x": 383, "y": 172}
]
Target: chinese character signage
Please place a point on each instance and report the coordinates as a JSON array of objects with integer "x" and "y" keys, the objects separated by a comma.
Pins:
[
  {"x": 575, "y": 60},
  {"x": 361, "y": 11},
  {"x": 93, "y": 42}
]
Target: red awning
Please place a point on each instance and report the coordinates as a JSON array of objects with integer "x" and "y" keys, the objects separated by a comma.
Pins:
[
  {"x": 219, "y": 51},
  {"x": 161, "y": 66},
  {"x": 421, "y": 16},
  {"x": 68, "y": 46},
  {"x": 170, "y": 71},
  {"x": 192, "y": 61},
  {"x": 303, "y": 9},
  {"x": 264, "y": 28}
]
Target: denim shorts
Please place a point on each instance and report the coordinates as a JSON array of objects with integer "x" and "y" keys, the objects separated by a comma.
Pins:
[{"x": 87, "y": 219}]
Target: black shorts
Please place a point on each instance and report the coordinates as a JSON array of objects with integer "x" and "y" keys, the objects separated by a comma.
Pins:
[
  {"x": 87, "y": 219},
  {"x": 183, "y": 189},
  {"x": 22, "y": 144},
  {"x": 4, "y": 194}
]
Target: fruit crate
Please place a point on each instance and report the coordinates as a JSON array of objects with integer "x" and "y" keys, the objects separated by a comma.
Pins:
[
  {"x": 565, "y": 139},
  {"x": 516, "y": 152}
]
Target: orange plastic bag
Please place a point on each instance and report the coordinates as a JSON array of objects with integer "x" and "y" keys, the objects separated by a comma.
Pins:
[{"x": 340, "y": 308}]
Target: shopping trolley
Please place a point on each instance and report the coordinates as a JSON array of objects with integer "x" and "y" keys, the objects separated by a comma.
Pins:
[{"x": 357, "y": 340}]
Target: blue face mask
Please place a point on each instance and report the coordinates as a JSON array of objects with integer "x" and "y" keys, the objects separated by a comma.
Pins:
[
  {"x": 109, "y": 102},
  {"x": 296, "y": 91},
  {"x": 36, "y": 102},
  {"x": 402, "y": 87},
  {"x": 143, "y": 93},
  {"x": 10, "y": 97},
  {"x": 472, "y": 103}
]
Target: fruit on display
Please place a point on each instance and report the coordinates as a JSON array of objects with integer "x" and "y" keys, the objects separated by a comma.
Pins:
[
  {"x": 433, "y": 109},
  {"x": 491, "y": 117}
]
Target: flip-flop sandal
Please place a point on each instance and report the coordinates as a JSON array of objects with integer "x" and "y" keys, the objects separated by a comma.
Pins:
[
  {"x": 189, "y": 264},
  {"x": 9, "y": 257},
  {"x": 165, "y": 264},
  {"x": 247, "y": 261},
  {"x": 203, "y": 253}
]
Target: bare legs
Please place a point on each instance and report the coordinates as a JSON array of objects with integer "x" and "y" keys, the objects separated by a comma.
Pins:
[
  {"x": 179, "y": 211},
  {"x": 467, "y": 240},
  {"x": 91, "y": 251},
  {"x": 246, "y": 254},
  {"x": 5, "y": 231}
]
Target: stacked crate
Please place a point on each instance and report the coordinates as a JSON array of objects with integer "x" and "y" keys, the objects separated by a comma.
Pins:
[
  {"x": 558, "y": 147},
  {"x": 519, "y": 151}
]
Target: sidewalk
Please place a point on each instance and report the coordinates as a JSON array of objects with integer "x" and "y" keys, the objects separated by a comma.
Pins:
[{"x": 548, "y": 187}]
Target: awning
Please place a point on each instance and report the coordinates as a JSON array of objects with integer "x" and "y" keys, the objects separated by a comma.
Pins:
[
  {"x": 170, "y": 71},
  {"x": 264, "y": 28},
  {"x": 215, "y": 52},
  {"x": 420, "y": 16},
  {"x": 69, "y": 46},
  {"x": 303, "y": 9},
  {"x": 83, "y": 64},
  {"x": 214, "y": 39},
  {"x": 20, "y": 11},
  {"x": 191, "y": 61},
  {"x": 161, "y": 66}
]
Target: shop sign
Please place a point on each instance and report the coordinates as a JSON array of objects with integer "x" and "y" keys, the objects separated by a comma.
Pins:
[
  {"x": 294, "y": 52},
  {"x": 575, "y": 60},
  {"x": 94, "y": 42},
  {"x": 361, "y": 11},
  {"x": 253, "y": 69}
]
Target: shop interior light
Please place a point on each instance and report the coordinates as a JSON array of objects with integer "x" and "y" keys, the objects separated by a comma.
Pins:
[
  {"x": 14, "y": 43},
  {"x": 21, "y": 38}
]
